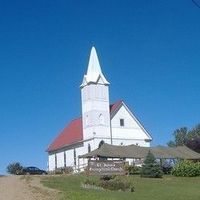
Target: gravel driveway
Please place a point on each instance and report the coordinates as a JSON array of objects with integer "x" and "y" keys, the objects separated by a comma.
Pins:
[{"x": 25, "y": 188}]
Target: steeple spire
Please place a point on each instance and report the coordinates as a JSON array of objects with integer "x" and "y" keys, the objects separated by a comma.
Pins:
[
  {"x": 94, "y": 70},
  {"x": 93, "y": 66}
]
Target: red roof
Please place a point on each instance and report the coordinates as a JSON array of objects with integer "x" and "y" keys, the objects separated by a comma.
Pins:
[
  {"x": 73, "y": 133},
  {"x": 115, "y": 106}
]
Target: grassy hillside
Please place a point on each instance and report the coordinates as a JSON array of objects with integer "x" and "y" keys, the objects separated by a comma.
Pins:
[{"x": 167, "y": 188}]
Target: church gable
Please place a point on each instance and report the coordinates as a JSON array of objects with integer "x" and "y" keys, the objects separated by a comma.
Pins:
[{"x": 125, "y": 124}]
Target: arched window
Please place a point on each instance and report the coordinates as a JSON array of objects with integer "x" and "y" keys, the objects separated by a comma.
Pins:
[
  {"x": 101, "y": 143},
  {"x": 89, "y": 148},
  {"x": 101, "y": 119}
]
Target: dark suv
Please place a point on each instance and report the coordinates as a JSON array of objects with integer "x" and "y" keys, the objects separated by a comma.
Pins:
[{"x": 32, "y": 171}]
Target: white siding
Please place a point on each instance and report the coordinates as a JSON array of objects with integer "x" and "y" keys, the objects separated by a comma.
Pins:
[
  {"x": 125, "y": 142},
  {"x": 131, "y": 130},
  {"x": 51, "y": 162},
  {"x": 60, "y": 159},
  {"x": 69, "y": 157},
  {"x": 95, "y": 110},
  {"x": 94, "y": 144}
]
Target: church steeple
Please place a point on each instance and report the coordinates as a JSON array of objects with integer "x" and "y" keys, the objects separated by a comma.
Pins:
[
  {"x": 95, "y": 101},
  {"x": 94, "y": 72}
]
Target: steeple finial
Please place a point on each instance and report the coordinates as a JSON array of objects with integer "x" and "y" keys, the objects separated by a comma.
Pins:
[
  {"x": 93, "y": 66},
  {"x": 94, "y": 70}
]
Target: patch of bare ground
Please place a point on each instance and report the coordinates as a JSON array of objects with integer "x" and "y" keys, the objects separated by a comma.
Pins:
[{"x": 25, "y": 188}]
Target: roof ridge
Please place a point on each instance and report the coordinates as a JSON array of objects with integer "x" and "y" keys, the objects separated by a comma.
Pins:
[{"x": 117, "y": 101}]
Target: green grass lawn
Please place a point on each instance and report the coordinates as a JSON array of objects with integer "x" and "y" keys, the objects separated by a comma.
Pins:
[{"x": 167, "y": 188}]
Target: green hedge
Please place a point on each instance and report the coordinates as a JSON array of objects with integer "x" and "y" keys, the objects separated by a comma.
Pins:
[{"x": 187, "y": 169}]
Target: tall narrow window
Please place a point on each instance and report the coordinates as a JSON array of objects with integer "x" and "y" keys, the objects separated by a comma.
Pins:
[
  {"x": 101, "y": 119},
  {"x": 89, "y": 148},
  {"x": 121, "y": 122},
  {"x": 64, "y": 159},
  {"x": 55, "y": 161},
  {"x": 74, "y": 157}
]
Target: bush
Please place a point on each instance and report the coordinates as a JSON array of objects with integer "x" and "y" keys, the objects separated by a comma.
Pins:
[
  {"x": 187, "y": 169},
  {"x": 117, "y": 184},
  {"x": 14, "y": 168},
  {"x": 64, "y": 170},
  {"x": 107, "y": 177},
  {"x": 90, "y": 182},
  {"x": 131, "y": 169},
  {"x": 111, "y": 183},
  {"x": 151, "y": 168},
  {"x": 167, "y": 168}
]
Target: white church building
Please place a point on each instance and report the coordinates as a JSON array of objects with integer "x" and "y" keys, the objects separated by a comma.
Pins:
[{"x": 100, "y": 122}]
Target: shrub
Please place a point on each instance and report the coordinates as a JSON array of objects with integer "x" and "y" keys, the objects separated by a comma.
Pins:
[
  {"x": 116, "y": 184},
  {"x": 131, "y": 169},
  {"x": 110, "y": 183},
  {"x": 68, "y": 170},
  {"x": 14, "y": 168},
  {"x": 167, "y": 168},
  {"x": 186, "y": 168},
  {"x": 90, "y": 182},
  {"x": 63, "y": 170},
  {"x": 151, "y": 168},
  {"x": 107, "y": 177}
]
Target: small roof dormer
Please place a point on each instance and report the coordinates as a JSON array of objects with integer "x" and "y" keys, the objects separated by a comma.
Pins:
[{"x": 94, "y": 73}]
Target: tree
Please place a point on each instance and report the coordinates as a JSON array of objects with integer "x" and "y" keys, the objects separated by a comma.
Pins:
[
  {"x": 151, "y": 168},
  {"x": 171, "y": 143},
  {"x": 14, "y": 168},
  {"x": 194, "y": 144},
  {"x": 189, "y": 138},
  {"x": 180, "y": 137},
  {"x": 195, "y": 132}
]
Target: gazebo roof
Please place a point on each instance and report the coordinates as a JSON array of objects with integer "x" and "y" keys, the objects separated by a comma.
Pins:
[{"x": 133, "y": 151}]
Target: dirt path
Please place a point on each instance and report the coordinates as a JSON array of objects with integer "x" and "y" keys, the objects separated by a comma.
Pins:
[{"x": 25, "y": 188}]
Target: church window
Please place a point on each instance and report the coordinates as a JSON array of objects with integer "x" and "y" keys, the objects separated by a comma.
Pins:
[
  {"x": 55, "y": 161},
  {"x": 64, "y": 159},
  {"x": 89, "y": 148},
  {"x": 87, "y": 120},
  {"x": 101, "y": 143},
  {"x": 75, "y": 157},
  {"x": 121, "y": 122},
  {"x": 101, "y": 119}
]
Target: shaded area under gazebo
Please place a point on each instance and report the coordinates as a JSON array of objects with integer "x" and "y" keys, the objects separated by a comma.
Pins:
[{"x": 137, "y": 152}]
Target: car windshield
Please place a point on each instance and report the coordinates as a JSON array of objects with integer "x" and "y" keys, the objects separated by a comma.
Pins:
[{"x": 32, "y": 168}]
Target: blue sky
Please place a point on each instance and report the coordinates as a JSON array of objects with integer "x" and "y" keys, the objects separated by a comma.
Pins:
[{"x": 148, "y": 50}]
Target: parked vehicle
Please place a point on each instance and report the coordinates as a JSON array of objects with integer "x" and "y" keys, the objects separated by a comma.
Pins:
[{"x": 32, "y": 171}]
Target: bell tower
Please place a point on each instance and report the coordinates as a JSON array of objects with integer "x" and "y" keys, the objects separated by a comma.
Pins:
[{"x": 95, "y": 101}]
